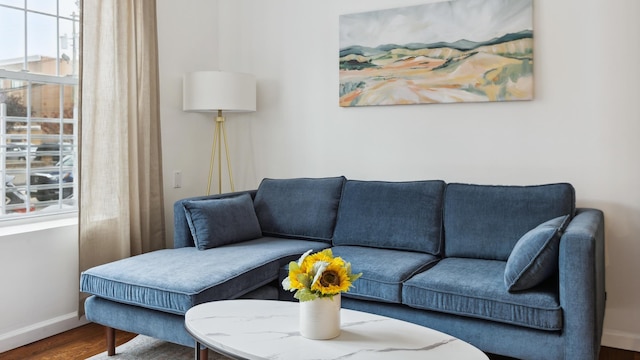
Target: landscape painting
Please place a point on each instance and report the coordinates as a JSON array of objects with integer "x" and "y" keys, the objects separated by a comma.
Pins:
[{"x": 443, "y": 52}]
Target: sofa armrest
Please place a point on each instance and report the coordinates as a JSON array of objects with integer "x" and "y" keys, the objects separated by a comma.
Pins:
[
  {"x": 181, "y": 232},
  {"x": 582, "y": 283}
]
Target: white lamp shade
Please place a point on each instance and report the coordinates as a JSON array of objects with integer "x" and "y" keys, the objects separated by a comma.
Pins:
[{"x": 210, "y": 91}]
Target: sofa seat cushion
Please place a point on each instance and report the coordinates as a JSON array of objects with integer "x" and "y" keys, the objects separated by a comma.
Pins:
[
  {"x": 174, "y": 280},
  {"x": 391, "y": 215},
  {"x": 303, "y": 208},
  {"x": 485, "y": 221},
  {"x": 475, "y": 288},
  {"x": 383, "y": 271}
]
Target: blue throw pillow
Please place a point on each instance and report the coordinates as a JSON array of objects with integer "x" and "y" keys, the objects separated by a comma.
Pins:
[
  {"x": 535, "y": 256},
  {"x": 218, "y": 222}
]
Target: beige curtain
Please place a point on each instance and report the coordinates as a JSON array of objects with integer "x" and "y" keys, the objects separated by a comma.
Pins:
[{"x": 121, "y": 203}]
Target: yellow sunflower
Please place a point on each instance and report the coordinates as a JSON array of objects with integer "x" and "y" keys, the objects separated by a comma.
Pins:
[
  {"x": 302, "y": 272},
  {"x": 309, "y": 261},
  {"x": 333, "y": 280}
]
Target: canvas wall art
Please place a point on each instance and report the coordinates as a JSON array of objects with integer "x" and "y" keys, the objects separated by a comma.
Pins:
[{"x": 443, "y": 52}]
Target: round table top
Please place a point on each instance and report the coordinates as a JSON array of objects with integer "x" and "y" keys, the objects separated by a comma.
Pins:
[{"x": 267, "y": 329}]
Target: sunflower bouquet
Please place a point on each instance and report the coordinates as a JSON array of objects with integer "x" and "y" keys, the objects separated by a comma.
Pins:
[{"x": 319, "y": 275}]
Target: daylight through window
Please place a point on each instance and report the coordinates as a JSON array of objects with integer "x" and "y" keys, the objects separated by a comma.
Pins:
[{"x": 39, "y": 59}]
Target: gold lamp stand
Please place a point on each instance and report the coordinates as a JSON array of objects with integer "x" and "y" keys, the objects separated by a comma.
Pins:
[{"x": 220, "y": 131}]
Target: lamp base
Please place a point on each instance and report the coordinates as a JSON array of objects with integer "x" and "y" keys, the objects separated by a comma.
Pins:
[{"x": 219, "y": 135}]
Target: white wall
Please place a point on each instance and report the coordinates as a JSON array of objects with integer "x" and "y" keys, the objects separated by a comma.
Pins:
[
  {"x": 582, "y": 126},
  {"x": 39, "y": 282},
  {"x": 187, "y": 41}
]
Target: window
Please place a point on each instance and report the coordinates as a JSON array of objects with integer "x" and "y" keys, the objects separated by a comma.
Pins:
[{"x": 38, "y": 106}]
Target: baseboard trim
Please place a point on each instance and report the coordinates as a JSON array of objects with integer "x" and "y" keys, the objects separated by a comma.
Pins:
[
  {"x": 39, "y": 331},
  {"x": 621, "y": 340}
]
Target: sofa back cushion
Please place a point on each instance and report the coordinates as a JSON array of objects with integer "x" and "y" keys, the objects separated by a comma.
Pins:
[
  {"x": 485, "y": 222},
  {"x": 301, "y": 208},
  {"x": 391, "y": 215}
]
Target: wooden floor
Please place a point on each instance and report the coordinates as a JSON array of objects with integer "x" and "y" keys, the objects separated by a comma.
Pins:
[
  {"x": 89, "y": 340},
  {"x": 77, "y": 344}
]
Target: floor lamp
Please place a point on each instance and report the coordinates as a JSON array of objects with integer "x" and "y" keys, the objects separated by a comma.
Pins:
[{"x": 218, "y": 91}]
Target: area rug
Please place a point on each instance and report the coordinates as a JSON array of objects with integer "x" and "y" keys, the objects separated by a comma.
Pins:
[{"x": 146, "y": 348}]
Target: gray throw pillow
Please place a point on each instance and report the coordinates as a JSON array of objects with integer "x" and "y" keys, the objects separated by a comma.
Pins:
[
  {"x": 534, "y": 258},
  {"x": 218, "y": 222}
]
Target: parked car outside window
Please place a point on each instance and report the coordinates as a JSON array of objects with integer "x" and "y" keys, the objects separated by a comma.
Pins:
[
  {"x": 64, "y": 175},
  {"x": 19, "y": 151},
  {"x": 52, "y": 151}
]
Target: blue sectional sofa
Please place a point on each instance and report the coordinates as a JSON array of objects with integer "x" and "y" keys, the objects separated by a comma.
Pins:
[{"x": 514, "y": 270}]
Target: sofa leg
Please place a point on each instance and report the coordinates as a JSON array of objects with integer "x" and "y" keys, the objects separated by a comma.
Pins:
[
  {"x": 111, "y": 341},
  {"x": 204, "y": 353}
]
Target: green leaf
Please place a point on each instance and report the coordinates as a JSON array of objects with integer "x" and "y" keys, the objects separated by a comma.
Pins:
[
  {"x": 327, "y": 252},
  {"x": 293, "y": 266},
  {"x": 305, "y": 280},
  {"x": 305, "y": 295},
  {"x": 354, "y": 277}
]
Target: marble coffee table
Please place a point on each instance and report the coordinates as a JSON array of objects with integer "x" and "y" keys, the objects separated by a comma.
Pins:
[{"x": 267, "y": 329}]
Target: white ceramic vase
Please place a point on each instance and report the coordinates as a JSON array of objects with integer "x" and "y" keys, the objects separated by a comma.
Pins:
[{"x": 320, "y": 318}]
